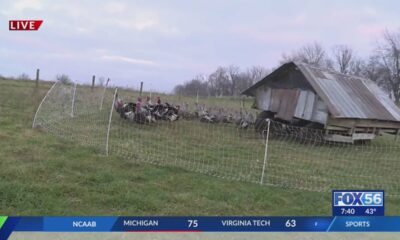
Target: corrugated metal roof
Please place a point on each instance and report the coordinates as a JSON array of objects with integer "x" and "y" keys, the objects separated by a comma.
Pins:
[{"x": 346, "y": 96}]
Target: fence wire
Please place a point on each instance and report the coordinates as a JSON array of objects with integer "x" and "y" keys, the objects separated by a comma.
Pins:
[
  {"x": 301, "y": 158},
  {"x": 77, "y": 118},
  {"x": 298, "y": 158}
]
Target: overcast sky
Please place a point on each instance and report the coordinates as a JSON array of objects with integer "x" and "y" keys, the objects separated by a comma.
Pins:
[{"x": 164, "y": 43}]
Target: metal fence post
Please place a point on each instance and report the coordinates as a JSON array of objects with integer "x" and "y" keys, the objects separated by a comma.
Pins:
[
  {"x": 265, "y": 152},
  {"x": 73, "y": 101},
  {"x": 109, "y": 120}
]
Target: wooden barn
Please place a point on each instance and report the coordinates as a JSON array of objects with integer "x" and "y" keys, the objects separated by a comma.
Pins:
[{"x": 349, "y": 108}]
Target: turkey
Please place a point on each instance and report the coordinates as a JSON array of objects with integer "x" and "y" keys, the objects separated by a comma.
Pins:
[
  {"x": 227, "y": 118},
  {"x": 199, "y": 110},
  {"x": 125, "y": 110},
  {"x": 245, "y": 120},
  {"x": 207, "y": 117},
  {"x": 118, "y": 104},
  {"x": 172, "y": 112},
  {"x": 140, "y": 114},
  {"x": 128, "y": 108},
  {"x": 147, "y": 112},
  {"x": 185, "y": 113},
  {"x": 129, "y": 116}
]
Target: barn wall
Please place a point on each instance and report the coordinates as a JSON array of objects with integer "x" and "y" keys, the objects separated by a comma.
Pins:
[
  {"x": 292, "y": 103},
  {"x": 290, "y": 96},
  {"x": 305, "y": 105},
  {"x": 320, "y": 112},
  {"x": 290, "y": 79},
  {"x": 263, "y": 98}
]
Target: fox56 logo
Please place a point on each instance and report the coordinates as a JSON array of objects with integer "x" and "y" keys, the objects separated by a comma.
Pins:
[{"x": 358, "y": 198}]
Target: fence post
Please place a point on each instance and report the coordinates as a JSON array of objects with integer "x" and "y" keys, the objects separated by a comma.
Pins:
[
  {"x": 396, "y": 137},
  {"x": 102, "y": 97},
  {"x": 93, "y": 81},
  {"x": 141, "y": 89},
  {"x": 265, "y": 152},
  {"x": 73, "y": 101},
  {"x": 37, "y": 77},
  {"x": 40, "y": 105},
  {"x": 109, "y": 120}
]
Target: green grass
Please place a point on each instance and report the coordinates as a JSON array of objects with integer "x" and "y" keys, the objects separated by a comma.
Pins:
[{"x": 41, "y": 174}]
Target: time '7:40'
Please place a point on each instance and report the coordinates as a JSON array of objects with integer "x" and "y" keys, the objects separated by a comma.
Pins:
[{"x": 348, "y": 211}]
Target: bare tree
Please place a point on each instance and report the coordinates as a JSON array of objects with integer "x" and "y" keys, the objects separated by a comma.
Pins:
[
  {"x": 64, "y": 78},
  {"x": 235, "y": 78},
  {"x": 373, "y": 70},
  {"x": 192, "y": 87},
  {"x": 219, "y": 82},
  {"x": 343, "y": 58},
  {"x": 179, "y": 89},
  {"x": 313, "y": 54},
  {"x": 23, "y": 76},
  {"x": 257, "y": 73},
  {"x": 388, "y": 55},
  {"x": 358, "y": 67},
  {"x": 224, "y": 81}
]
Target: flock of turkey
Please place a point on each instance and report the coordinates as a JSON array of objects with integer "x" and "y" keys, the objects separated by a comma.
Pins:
[{"x": 143, "y": 112}]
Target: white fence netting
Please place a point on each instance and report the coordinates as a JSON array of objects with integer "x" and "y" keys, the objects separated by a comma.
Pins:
[
  {"x": 73, "y": 112},
  {"x": 301, "y": 158},
  {"x": 291, "y": 157}
]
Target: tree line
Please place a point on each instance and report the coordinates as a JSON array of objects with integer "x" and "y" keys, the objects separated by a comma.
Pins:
[
  {"x": 381, "y": 66},
  {"x": 224, "y": 81}
]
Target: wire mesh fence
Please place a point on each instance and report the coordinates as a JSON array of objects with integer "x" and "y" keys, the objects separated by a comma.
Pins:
[
  {"x": 301, "y": 158},
  {"x": 73, "y": 112},
  {"x": 219, "y": 150},
  {"x": 276, "y": 155}
]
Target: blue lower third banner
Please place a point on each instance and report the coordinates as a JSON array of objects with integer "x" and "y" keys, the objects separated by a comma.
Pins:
[{"x": 200, "y": 224}]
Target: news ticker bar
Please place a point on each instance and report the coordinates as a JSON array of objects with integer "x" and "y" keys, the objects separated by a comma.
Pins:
[{"x": 199, "y": 224}]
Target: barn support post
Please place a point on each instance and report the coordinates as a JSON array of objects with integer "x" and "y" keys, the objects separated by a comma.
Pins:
[
  {"x": 265, "y": 152},
  {"x": 109, "y": 120},
  {"x": 40, "y": 105},
  {"x": 73, "y": 101}
]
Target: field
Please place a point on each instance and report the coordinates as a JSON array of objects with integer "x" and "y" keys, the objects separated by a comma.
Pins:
[{"x": 43, "y": 175}]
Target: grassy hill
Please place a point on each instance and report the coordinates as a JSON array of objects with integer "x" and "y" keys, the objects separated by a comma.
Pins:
[{"x": 44, "y": 175}]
